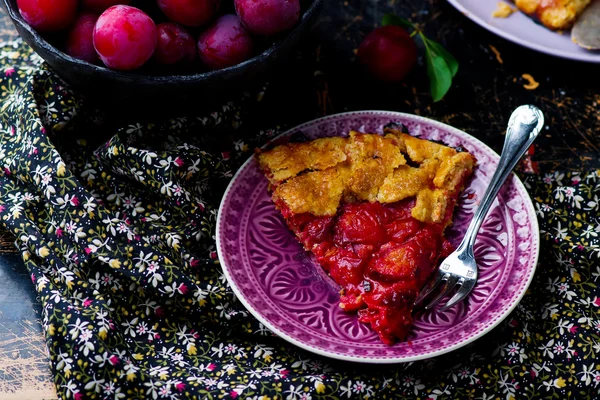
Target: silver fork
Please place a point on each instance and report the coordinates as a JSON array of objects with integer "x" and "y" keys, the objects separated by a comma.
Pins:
[{"x": 459, "y": 268}]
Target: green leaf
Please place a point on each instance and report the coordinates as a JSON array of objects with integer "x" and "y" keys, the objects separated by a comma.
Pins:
[
  {"x": 391, "y": 19},
  {"x": 441, "y": 65},
  {"x": 442, "y": 52},
  {"x": 440, "y": 75}
]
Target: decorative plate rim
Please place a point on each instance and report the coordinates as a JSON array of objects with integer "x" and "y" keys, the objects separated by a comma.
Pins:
[
  {"x": 590, "y": 57},
  {"x": 527, "y": 203}
]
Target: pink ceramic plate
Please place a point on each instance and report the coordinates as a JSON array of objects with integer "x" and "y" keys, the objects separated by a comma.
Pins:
[
  {"x": 282, "y": 286},
  {"x": 521, "y": 29}
]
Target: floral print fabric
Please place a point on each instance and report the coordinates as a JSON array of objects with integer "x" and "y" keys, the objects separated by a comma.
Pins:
[{"x": 117, "y": 231}]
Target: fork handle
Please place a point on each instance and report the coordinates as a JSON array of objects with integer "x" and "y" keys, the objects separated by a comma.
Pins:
[{"x": 524, "y": 125}]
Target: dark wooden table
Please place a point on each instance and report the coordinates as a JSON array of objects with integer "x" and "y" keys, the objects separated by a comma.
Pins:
[{"x": 325, "y": 80}]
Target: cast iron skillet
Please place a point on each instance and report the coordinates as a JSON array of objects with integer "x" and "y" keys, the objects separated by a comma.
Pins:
[{"x": 134, "y": 88}]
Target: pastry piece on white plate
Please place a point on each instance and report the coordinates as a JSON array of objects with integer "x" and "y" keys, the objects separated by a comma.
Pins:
[{"x": 554, "y": 14}]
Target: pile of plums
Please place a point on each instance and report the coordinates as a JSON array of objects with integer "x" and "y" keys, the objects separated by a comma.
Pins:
[{"x": 170, "y": 34}]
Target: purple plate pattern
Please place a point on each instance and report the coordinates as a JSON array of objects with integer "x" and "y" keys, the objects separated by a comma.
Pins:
[
  {"x": 521, "y": 29},
  {"x": 286, "y": 290}
]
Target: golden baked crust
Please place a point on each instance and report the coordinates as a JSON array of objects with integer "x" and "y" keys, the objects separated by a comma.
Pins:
[
  {"x": 287, "y": 161},
  {"x": 554, "y": 14},
  {"x": 317, "y": 176}
]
